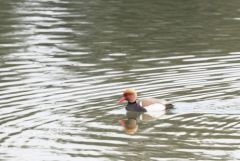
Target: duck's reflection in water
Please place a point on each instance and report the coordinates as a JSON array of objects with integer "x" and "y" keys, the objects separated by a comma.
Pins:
[{"x": 131, "y": 122}]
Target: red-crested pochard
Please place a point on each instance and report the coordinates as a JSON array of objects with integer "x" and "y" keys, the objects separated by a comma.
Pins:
[{"x": 144, "y": 104}]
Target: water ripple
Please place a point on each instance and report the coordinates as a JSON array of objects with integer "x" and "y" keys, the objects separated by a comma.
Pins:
[{"x": 64, "y": 64}]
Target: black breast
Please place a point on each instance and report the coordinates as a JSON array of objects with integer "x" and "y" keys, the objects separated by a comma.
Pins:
[{"x": 135, "y": 107}]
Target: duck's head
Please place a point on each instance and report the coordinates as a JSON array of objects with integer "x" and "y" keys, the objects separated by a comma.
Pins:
[{"x": 129, "y": 95}]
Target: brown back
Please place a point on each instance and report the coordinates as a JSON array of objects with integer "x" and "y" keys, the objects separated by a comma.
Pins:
[{"x": 150, "y": 101}]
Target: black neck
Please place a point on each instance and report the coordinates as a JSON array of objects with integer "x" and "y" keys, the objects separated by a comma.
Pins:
[{"x": 132, "y": 102}]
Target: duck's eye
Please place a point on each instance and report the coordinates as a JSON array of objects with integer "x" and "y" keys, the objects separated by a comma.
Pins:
[{"x": 127, "y": 94}]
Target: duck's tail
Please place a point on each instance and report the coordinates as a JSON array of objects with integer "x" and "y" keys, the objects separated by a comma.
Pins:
[{"x": 169, "y": 106}]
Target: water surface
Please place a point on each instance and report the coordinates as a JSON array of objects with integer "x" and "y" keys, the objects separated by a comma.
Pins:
[{"x": 64, "y": 64}]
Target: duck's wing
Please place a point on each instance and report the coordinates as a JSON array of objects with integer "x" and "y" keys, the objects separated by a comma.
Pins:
[{"x": 150, "y": 101}]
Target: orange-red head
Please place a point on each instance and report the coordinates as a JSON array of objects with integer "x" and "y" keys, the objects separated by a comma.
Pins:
[{"x": 129, "y": 95}]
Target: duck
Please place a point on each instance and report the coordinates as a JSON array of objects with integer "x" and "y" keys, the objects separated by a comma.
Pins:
[{"x": 144, "y": 105}]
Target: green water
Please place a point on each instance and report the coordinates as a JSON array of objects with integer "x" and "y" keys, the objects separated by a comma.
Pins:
[{"x": 64, "y": 64}]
